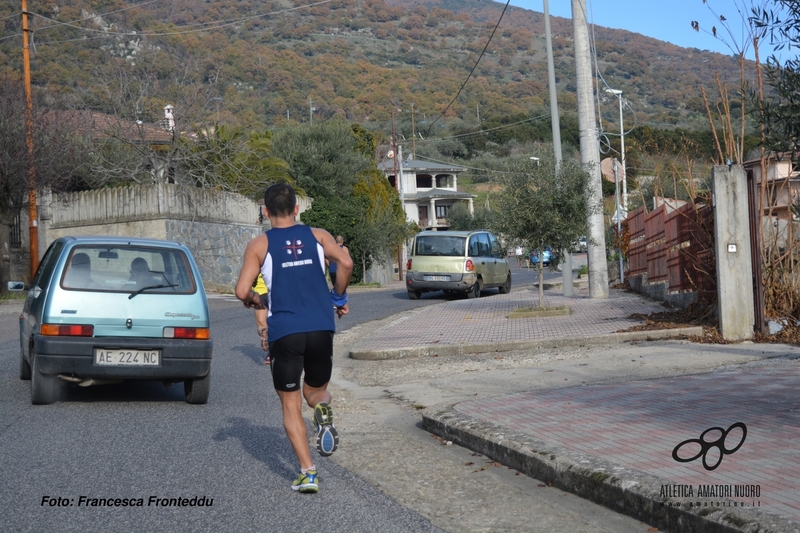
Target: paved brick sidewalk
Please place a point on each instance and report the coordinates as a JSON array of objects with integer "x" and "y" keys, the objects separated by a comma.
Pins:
[
  {"x": 485, "y": 320},
  {"x": 637, "y": 425},
  {"x": 614, "y": 443}
]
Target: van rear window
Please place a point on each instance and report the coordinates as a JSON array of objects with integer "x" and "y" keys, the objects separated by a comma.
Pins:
[
  {"x": 440, "y": 245},
  {"x": 128, "y": 269}
]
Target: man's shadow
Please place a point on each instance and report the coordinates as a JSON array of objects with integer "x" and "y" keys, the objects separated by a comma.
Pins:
[
  {"x": 264, "y": 443},
  {"x": 251, "y": 351}
]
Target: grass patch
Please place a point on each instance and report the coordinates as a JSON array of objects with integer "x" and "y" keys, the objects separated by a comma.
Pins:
[
  {"x": 599, "y": 477},
  {"x": 540, "y": 312},
  {"x": 14, "y": 295},
  {"x": 374, "y": 285}
]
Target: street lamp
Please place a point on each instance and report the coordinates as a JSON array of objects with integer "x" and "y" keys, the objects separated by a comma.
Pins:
[{"x": 618, "y": 94}]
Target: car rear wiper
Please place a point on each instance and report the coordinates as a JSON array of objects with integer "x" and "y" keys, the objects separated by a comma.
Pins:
[{"x": 152, "y": 287}]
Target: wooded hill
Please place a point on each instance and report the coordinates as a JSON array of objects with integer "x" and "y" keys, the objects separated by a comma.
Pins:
[{"x": 263, "y": 63}]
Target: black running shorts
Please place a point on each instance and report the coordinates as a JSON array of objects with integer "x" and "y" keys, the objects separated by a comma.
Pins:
[{"x": 292, "y": 355}]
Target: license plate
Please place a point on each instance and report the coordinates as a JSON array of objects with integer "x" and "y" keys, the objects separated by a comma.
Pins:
[
  {"x": 119, "y": 357},
  {"x": 437, "y": 278}
]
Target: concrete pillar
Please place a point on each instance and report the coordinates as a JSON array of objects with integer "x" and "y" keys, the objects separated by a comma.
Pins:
[
  {"x": 471, "y": 207},
  {"x": 432, "y": 217},
  {"x": 732, "y": 249}
]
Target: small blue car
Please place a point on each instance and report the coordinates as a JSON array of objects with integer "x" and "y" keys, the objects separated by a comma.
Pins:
[
  {"x": 546, "y": 254},
  {"x": 106, "y": 309}
]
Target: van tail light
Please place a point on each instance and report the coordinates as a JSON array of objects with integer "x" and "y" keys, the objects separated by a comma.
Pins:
[
  {"x": 187, "y": 333},
  {"x": 408, "y": 264},
  {"x": 469, "y": 266},
  {"x": 67, "y": 330}
]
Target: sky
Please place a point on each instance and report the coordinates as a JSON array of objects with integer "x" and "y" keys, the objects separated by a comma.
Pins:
[{"x": 665, "y": 20}]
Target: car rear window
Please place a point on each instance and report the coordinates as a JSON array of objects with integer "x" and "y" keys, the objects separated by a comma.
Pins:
[
  {"x": 128, "y": 269},
  {"x": 440, "y": 245}
]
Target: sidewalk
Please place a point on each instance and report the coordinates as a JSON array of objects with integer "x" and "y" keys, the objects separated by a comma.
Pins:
[{"x": 613, "y": 444}]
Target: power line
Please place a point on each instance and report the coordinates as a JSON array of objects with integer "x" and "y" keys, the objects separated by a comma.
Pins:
[
  {"x": 471, "y": 71},
  {"x": 479, "y": 132}
]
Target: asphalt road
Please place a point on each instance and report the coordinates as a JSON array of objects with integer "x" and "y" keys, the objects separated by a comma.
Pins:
[{"x": 140, "y": 440}]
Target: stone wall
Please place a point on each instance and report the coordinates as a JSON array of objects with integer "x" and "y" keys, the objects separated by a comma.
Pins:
[
  {"x": 217, "y": 248},
  {"x": 216, "y": 226}
]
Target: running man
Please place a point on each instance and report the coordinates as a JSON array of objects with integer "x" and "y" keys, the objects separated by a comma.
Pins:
[{"x": 291, "y": 257}]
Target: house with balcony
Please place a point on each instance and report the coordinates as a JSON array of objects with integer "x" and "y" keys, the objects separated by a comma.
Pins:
[
  {"x": 779, "y": 190},
  {"x": 428, "y": 190},
  {"x": 782, "y": 185}
]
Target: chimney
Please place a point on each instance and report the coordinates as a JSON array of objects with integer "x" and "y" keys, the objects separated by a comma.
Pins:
[{"x": 170, "y": 122}]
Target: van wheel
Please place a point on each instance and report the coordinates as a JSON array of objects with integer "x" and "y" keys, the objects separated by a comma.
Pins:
[
  {"x": 475, "y": 290},
  {"x": 43, "y": 388},
  {"x": 24, "y": 367},
  {"x": 506, "y": 287},
  {"x": 197, "y": 390},
  {"x": 414, "y": 295}
]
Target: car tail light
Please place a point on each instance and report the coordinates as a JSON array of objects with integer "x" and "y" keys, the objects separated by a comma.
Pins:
[
  {"x": 187, "y": 333},
  {"x": 469, "y": 265},
  {"x": 408, "y": 264},
  {"x": 67, "y": 330}
]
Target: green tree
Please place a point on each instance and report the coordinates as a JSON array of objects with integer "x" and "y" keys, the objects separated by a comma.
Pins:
[
  {"x": 461, "y": 219},
  {"x": 324, "y": 159},
  {"x": 383, "y": 224},
  {"x": 339, "y": 218},
  {"x": 541, "y": 206},
  {"x": 227, "y": 158}
]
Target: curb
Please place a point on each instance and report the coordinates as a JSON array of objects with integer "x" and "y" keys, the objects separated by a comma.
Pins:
[
  {"x": 433, "y": 350},
  {"x": 621, "y": 489}
]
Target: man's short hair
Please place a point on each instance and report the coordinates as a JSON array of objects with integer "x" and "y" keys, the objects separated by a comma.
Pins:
[{"x": 280, "y": 200}]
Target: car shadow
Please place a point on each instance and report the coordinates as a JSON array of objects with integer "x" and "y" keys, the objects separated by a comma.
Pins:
[
  {"x": 433, "y": 295},
  {"x": 127, "y": 391}
]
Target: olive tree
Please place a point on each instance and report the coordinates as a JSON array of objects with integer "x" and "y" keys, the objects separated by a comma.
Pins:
[{"x": 542, "y": 205}]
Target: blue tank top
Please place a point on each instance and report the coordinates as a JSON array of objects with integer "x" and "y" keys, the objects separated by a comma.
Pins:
[{"x": 294, "y": 271}]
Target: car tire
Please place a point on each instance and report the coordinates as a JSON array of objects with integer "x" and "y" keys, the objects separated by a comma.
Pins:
[
  {"x": 197, "y": 390},
  {"x": 44, "y": 389},
  {"x": 505, "y": 288},
  {"x": 24, "y": 367},
  {"x": 475, "y": 290},
  {"x": 414, "y": 295}
]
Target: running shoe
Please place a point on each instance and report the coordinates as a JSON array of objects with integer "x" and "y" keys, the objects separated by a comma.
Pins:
[
  {"x": 306, "y": 482},
  {"x": 327, "y": 436}
]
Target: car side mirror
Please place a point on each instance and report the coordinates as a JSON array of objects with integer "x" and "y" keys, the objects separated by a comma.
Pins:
[{"x": 16, "y": 286}]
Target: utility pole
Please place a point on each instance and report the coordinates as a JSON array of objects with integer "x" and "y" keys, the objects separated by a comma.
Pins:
[
  {"x": 566, "y": 269},
  {"x": 618, "y": 94},
  {"x": 33, "y": 216},
  {"x": 311, "y": 112},
  {"x": 413, "y": 135},
  {"x": 590, "y": 152},
  {"x": 397, "y": 185}
]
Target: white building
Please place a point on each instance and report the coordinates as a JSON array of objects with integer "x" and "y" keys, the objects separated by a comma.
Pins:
[{"x": 429, "y": 191}]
